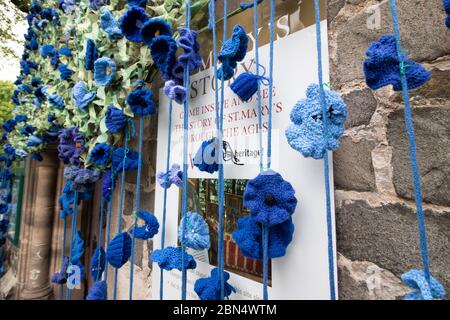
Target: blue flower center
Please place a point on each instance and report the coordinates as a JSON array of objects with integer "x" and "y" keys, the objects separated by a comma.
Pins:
[{"x": 270, "y": 200}]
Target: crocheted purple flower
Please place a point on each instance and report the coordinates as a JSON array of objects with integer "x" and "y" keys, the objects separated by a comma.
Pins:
[
  {"x": 104, "y": 71},
  {"x": 233, "y": 50},
  {"x": 154, "y": 28},
  {"x": 82, "y": 96},
  {"x": 98, "y": 291},
  {"x": 82, "y": 179},
  {"x": 67, "y": 6},
  {"x": 101, "y": 154},
  {"x": 171, "y": 258},
  {"x": 175, "y": 91},
  {"x": 96, "y": 4},
  {"x": 115, "y": 119},
  {"x": 173, "y": 176},
  {"x": 270, "y": 199},
  {"x": 107, "y": 185},
  {"x": 196, "y": 231},
  {"x": 149, "y": 229},
  {"x": 191, "y": 55},
  {"x": 141, "y": 103},
  {"x": 207, "y": 157},
  {"x": 130, "y": 161},
  {"x": 132, "y": 22},
  {"x": 109, "y": 24},
  {"x": 306, "y": 133},
  {"x": 91, "y": 54},
  {"x": 209, "y": 288},
  {"x": 71, "y": 146},
  {"x": 248, "y": 237},
  {"x": 415, "y": 279},
  {"x": 119, "y": 250},
  {"x": 382, "y": 66},
  {"x": 61, "y": 276},
  {"x": 163, "y": 50}
]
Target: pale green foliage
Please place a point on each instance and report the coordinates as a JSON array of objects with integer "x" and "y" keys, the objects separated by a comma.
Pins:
[{"x": 6, "y": 106}]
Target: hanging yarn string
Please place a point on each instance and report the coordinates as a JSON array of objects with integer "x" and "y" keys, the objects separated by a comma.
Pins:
[
  {"x": 107, "y": 192},
  {"x": 73, "y": 231},
  {"x": 428, "y": 287}
]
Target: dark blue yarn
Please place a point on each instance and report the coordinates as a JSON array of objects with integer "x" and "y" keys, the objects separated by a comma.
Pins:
[
  {"x": 91, "y": 55},
  {"x": 64, "y": 72},
  {"x": 171, "y": 258},
  {"x": 61, "y": 276},
  {"x": 447, "y": 11},
  {"x": 98, "y": 291},
  {"x": 248, "y": 5},
  {"x": 131, "y": 23},
  {"x": 98, "y": 263},
  {"x": 163, "y": 50},
  {"x": 233, "y": 51},
  {"x": 65, "y": 52},
  {"x": 153, "y": 28},
  {"x": 9, "y": 125},
  {"x": 100, "y": 154},
  {"x": 27, "y": 130},
  {"x": 107, "y": 185},
  {"x": 137, "y": 3},
  {"x": 119, "y": 161},
  {"x": 150, "y": 227},
  {"x": 47, "y": 50},
  {"x": 35, "y": 81},
  {"x": 190, "y": 57},
  {"x": 56, "y": 101},
  {"x": 382, "y": 66},
  {"x": 115, "y": 119},
  {"x": 141, "y": 103},
  {"x": 207, "y": 157},
  {"x": 209, "y": 288},
  {"x": 246, "y": 85},
  {"x": 118, "y": 250}
]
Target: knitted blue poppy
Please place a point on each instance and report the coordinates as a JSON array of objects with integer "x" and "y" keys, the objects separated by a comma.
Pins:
[
  {"x": 415, "y": 279},
  {"x": 115, "y": 119},
  {"x": 119, "y": 250},
  {"x": 65, "y": 52},
  {"x": 96, "y": 4},
  {"x": 171, "y": 258},
  {"x": 104, "y": 71},
  {"x": 56, "y": 101},
  {"x": 191, "y": 49},
  {"x": 107, "y": 185},
  {"x": 209, "y": 288},
  {"x": 61, "y": 276},
  {"x": 64, "y": 72},
  {"x": 175, "y": 91},
  {"x": 131, "y": 160},
  {"x": 149, "y": 229},
  {"x": 173, "y": 176},
  {"x": 101, "y": 154},
  {"x": 71, "y": 146},
  {"x": 141, "y": 103},
  {"x": 163, "y": 50},
  {"x": 270, "y": 199},
  {"x": 91, "y": 54},
  {"x": 47, "y": 50},
  {"x": 246, "y": 85},
  {"x": 306, "y": 133},
  {"x": 35, "y": 81},
  {"x": 154, "y": 28},
  {"x": 207, "y": 157},
  {"x": 9, "y": 125},
  {"x": 98, "y": 291},
  {"x": 109, "y": 24},
  {"x": 98, "y": 263},
  {"x": 447, "y": 11},
  {"x": 137, "y": 3},
  {"x": 382, "y": 66},
  {"x": 232, "y": 52},
  {"x": 196, "y": 231},
  {"x": 248, "y": 237},
  {"x": 131, "y": 23},
  {"x": 82, "y": 96}
]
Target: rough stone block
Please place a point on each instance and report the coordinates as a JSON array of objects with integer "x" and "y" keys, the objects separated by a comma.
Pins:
[{"x": 361, "y": 106}]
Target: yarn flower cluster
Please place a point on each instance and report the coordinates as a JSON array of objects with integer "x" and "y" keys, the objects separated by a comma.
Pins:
[
  {"x": 209, "y": 288},
  {"x": 233, "y": 51},
  {"x": 118, "y": 250},
  {"x": 306, "y": 134},
  {"x": 382, "y": 66},
  {"x": 150, "y": 227},
  {"x": 173, "y": 176},
  {"x": 171, "y": 258},
  {"x": 141, "y": 102},
  {"x": 82, "y": 96},
  {"x": 82, "y": 179},
  {"x": 101, "y": 154},
  {"x": 71, "y": 146}
]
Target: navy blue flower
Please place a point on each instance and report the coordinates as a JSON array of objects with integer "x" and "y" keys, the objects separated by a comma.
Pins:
[
  {"x": 207, "y": 157},
  {"x": 65, "y": 52},
  {"x": 47, "y": 50},
  {"x": 171, "y": 258},
  {"x": 32, "y": 45},
  {"x": 41, "y": 93},
  {"x": 50, "y": 15},
  {"x": 382, "y": 66},
  {"x": 149, "y": 229},
  {"x": 19, "y": 80},
  {"x": 132, "y": 22},
  {"x": 233, "y": 51},
  {"x": 82, "y": 96},
  {"x": 163, "y": 50},
  {"x": 119, "y": 250},
  {"x": 100, "y": 154},
  {"x": 210, "y": 288},
  {"x": 141, "y": 103},
  {"x": 115, "y": 119},
  {"x": 104, "y": 71},
  {"x": 71, "y": 146},
  {"x": 9, "y": 125},
  {"x": 191, "y": 49},
  {"x": 64, "y": 72},
  {"x": 96, "y": 4},
  {"x": 91, "y": 54},
  {"x": 35, "y": 8},
  {"x": 35, "y": 81},
  {"x": 56, "y": 101},
  {"x": 153, "y": 28},
  {"x": 137, "y": 3},
  {"x": 98, "y": 291},
  {"x": 109, "y": 24},
  {"x": 82, "y": 179},
  {"x": 123, "y": 156}
]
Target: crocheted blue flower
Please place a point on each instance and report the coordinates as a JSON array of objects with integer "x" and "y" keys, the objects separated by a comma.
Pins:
[
  {"x": 306, "y": 133},
  {"x": 233, "y": 51},
  {"x": 191, "y": 49},
  {"x": 104, "y": 71},
  {"x": 40, "y": 93},
  {"x": 61, "y": 276},
  {"x": 171, "y": 258},
  {"x": 141, "y": 103},
  {"x": 65, "y": 52},
  {"x": 91, "y": 54},
  {"x": 115, "y": 119},
  {"x": 98, "y": 263},
  {"x": 100, "y": 154},
  {"x": 107, "y": 185},
  {"x": 207, "y": 157},
  {"x": 27, "y": 130},
  {"x": 77, "y": 249},
  {"x": 447, "y": 11},
  {"x": 64, "y": 72},
  {"x": 109, "y": 24},
  {"x": 248, "y": 237},
  {"x": 9, "y": 125},
  {"x": 34, "y": 141},
  {"x": 35, "y": 81},
  {"x": 154, "y": 28},
  {"x": 270, "y": 199},
  {"x": 98, "y": 291},
  {"x": 32, "y": 45},
  {"x": 149, "y": 229},
  {"x": 82, "y": 179},
  {"x": 71, "y": 146},
  {"x": 54, "y": 61},
  {"x": 56, "y": 101},
  {"x": 415, "y": 279},
  {"x": 196, "y": 231},
  {"x": 173, "y": 176},
  {"x": 131, "y": 23},
  {"x": 131, "y": 160},
  {"x": 50, "y": 15},
  {"x": 21, "y": 118},
  {"x": 175, "y": 91},
  {"x": 137, "y": 3},
  {"x": 246, "y": 85},
  {"x": 82, "y": 96},
  {"x": 382, "y": 66},
  {"x": 4, "y": 208},
  {"x": 119, "y": 250},
  {"x": 47, "y": 50},
  {"x": 96, "y": 4},
  {"x": 163, "y": 50},
  {"x": 209, "y": 288},
  {"x": 67, "y": 6}
]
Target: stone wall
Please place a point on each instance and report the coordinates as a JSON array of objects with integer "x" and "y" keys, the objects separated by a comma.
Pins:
[{"x": 376, "y": 222}]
